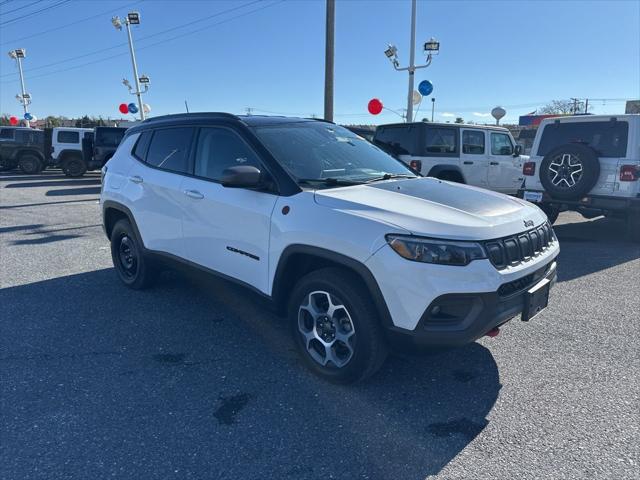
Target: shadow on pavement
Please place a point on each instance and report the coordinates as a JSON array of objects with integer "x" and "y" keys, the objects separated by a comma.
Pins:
[
  {"x": 73, "y": 191},
  {"x": 54, "y": 183},
  {"x": 195, "y": 376},
  {"x": 26, "y": 205},
  {"x": 602, "y": 241}
]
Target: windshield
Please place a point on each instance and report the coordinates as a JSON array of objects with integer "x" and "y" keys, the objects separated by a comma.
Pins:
[{"x": 320, "y": 151}]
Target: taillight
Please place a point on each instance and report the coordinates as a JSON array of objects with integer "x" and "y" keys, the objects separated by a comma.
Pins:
[
  {"x": 529, "y": 169},
  {"x": 629, "y": 173},
  {"x": 416, "y": 165}
]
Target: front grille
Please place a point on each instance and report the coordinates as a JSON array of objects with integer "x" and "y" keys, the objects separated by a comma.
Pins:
[
  {"x": 510, "y": 251},
  {"x": 521, "y": 284}
]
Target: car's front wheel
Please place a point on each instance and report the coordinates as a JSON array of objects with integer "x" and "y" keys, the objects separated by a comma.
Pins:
[
  {"x": 335, "y": 326},
  {"x": 134, "y": 269}
]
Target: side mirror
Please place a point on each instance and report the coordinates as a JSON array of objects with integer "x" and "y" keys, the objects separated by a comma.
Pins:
[
  {"x": 242, "y": 176},
  {"x": 517, "y": 151}
]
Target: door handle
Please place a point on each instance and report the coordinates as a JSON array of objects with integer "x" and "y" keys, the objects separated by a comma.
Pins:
[
  {"x": 194, "y": 194},
  {"x": 468, "y": 163},
  {"x": 494, "y": 163},
  {"x": 136, "y": 179}
]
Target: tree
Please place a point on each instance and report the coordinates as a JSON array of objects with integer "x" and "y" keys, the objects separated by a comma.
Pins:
[
  {"x": 563, "y": 107},
  {"x": 4, "y": 119},
  {"x": 459, "y": 120}
]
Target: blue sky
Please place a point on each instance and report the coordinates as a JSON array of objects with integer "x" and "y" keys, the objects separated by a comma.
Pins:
[{"x": 517, "y": 54}]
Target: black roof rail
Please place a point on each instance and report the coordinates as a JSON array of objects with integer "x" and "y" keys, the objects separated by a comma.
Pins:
[{"x": 179, "y": 116}]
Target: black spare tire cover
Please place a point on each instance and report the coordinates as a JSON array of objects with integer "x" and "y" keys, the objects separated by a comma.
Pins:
[{"x": 569, "y": 171}]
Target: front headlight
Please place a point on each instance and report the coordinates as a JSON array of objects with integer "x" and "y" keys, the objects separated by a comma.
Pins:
[{"x": 442, "y": 252}]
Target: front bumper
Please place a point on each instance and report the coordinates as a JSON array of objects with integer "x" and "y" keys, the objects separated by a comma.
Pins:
[{"x": 462, "y": 318}]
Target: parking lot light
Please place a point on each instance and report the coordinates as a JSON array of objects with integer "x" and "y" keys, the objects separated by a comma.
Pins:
[{"x": 24, "y": 99}]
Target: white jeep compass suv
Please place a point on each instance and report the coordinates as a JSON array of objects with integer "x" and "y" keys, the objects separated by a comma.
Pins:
[{"x": 359, "y": 251}]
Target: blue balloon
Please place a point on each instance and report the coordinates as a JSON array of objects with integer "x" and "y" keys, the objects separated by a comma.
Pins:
[
  {"x": 132, "y": 108},
  {"x": 425, "y": 87},
  {"x": 28, "y": 116}
]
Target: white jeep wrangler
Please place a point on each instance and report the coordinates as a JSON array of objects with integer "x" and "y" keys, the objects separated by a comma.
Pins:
[
  {"x": 358, "y": 250},
  {"x": 480, "y": 155},
  {"x": 587, "y": 163}
]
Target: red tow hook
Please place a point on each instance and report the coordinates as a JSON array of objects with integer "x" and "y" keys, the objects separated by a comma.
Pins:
[{"x": 493, "y": 332}]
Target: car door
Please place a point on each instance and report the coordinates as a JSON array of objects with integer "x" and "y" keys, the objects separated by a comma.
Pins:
[
  {"x": 226, "y": 229},
  {"x": 153, "y": 186},
  {"x": 474, "y": 161},
  {"x": 505, "y": 170}
]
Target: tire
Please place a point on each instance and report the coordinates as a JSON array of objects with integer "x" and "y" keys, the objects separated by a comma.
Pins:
[
  {"x": 550, "y": 211},
  {"x": 633, "y": 226},
  {"x": 353, "y": 333},
  {"x": 7, "y": 165},
  {"x": 30, "y": 164},
  {"x": 570, "y": 171},
  {"x": 73, "y": 166},
  {"x": 134, "y": 269}
]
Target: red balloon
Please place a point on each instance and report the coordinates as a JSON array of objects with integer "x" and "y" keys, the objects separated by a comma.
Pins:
[
  {"x": 13, "y": 120},
  {"x": 375, "y": 106},
  {"x": 123, "y": 108}
]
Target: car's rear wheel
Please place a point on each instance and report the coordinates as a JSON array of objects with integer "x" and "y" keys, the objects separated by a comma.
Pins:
[
  {"x": 30, "y": 164},
  {"x": 134, "y": 269},
  {"x": 73, "y": 166},
  {"x": 6, "y": 165},
  {"x": 335, "y": 326}
]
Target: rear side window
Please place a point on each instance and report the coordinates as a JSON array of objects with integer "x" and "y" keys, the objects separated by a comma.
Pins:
[
  {"x": 108, "y": 137},
  {"x": 29, "y": 136},
  {"x": 140, "y": 149},
  {"x": 6, "y": 133},
  {"x": 398, "y": 140},
  {"x": 66, "y": 136},
  {"x": 441, "y": 141},
  {"x": 219, "y": 149},
  {"x": 607, "y": 138},
  {"x": 169, "y": 149},
  {"x": 473, "y": 142}
]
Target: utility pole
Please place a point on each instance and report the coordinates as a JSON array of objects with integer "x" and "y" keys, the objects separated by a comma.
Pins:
[
  {"x": 430, "y": 48},
  {"x": 186, "y": 106},
  {"x": 433, "y": 107},
  {"x": 586, "y": 105},
  {"x": 328, "y": 59},
  {"x": 133, "y": 18},
  {"x": 25, "y": 99},
  {"x": 575, "y": 105}
]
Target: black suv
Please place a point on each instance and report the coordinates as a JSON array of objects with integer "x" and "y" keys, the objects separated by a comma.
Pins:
[
  {"x": 98, "y": 148},
  {"x": 23, "y": 148}
]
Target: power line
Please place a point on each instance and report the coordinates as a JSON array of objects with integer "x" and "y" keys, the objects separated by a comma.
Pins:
[
  {"x": 21, "y": 7},
  {"x": 35, "y": 12},
  {"x": 72, "y": 23},
  {"x": 150, "y": 45},
  {"x": 139, "y": 40}
]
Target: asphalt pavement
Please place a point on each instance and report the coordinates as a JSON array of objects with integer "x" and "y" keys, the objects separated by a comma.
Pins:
[{"x": 196, "y": 379}]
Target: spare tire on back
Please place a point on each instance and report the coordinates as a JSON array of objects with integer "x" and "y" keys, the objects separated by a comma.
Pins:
[{"x": 569, "y": 171}]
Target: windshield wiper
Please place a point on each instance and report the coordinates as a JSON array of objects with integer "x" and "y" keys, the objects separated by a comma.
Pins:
[
  {"x": 330, "y": 181},
  {"x": 389, "y": 176}
]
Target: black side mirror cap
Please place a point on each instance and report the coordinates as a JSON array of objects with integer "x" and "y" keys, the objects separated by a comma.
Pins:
[
  {"x": 241, "y": 176},
  {"x": 517, "y": 151}
]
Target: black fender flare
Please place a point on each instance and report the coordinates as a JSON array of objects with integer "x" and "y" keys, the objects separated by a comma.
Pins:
[
  {"x": 66, "y": 153},
  {"x": 280, "y": 290},
  {"x": 438, "y": 169},
  {"x": 112, "y": 205}
]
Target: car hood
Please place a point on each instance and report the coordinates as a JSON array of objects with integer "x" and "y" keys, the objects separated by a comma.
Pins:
[{"x": 435, "y": 208}]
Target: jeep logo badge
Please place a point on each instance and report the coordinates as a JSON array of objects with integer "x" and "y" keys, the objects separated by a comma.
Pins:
[{"x": 528, "y": 223}]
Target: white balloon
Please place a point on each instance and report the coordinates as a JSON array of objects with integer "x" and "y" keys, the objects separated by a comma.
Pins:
[
  {"x": 33, "y": 118},
  {"x": 416, "y": 98},
  {"x": 146, "y": 107}
]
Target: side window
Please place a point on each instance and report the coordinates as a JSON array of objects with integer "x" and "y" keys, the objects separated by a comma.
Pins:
[
  {"x": 169, "y": 149},
  {"x": 501, "y": 144},
  {"x": 441, "y": 141},
  {"x": 65, "y": 136},
  {"x": 140, "y": 148},
  {"x": 6, "y": 134},
  {"x": 398, "y": 140},
  {"x": 219, "y": 149},
  {"x": 473, "y": 142}
]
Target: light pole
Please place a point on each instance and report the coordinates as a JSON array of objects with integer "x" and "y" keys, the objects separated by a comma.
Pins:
[
  {"x": 433, "y": 107},
  {"x": 25, "y": 99},
  {"x": 431, "y": 48},
  {"x": 133, "y": 18}
]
